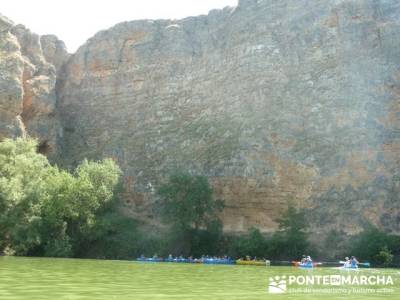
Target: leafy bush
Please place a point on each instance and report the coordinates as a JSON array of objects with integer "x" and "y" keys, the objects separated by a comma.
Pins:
[
  {"x": 375, "y": 245},
  {"x": 187, "y": 205},
  {"x": 290, "y": 240},
  {"x": 384, "y": 257},
  {"x": 44, "y": 210},
  {"x": 251, "y": 244}
]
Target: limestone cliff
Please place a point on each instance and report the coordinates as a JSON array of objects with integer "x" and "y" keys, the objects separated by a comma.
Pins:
[
  {"x": 28, "y": 67},
  {"x": 273, "y": 100}
]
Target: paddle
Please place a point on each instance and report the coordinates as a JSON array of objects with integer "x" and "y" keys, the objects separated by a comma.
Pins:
[
  {"x": 366, "y": 264},
  {"x": 314, "y": 263},
  {"x": 294, "y": 262}
]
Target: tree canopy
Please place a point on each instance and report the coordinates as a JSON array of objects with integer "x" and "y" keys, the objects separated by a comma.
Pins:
[
  {"x": 187, "y": 203},
  {"x": 45, "y": 210},
  {"x": 290, "y": 240}
]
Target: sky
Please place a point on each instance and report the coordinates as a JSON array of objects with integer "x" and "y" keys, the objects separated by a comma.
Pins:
[{"x": 74, "y": 21}]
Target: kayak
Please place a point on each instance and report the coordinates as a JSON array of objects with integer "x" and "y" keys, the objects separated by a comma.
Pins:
[
  {"x": 347, "y": 268},
  {"x": 179, "y": 260},
  {"x": 308, "y": 265},
  {"x": 251, "y": 262},
  {"x": 213, "y": 261},
  {"x": 149, "y": 259},
  {"x": 210, "y": 261}
]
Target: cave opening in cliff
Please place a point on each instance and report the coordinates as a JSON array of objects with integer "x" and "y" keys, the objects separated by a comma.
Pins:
[{"x": 44, "y": 147}]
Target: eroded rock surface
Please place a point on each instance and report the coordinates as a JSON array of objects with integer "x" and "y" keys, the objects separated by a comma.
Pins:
[
  {"x": 274, "y": 101},
  {"x": 28, "y": 66}
]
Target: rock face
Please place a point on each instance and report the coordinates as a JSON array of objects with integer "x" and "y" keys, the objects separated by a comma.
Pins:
[
  {"x": 28, "y": 69},
  {"x": 274, "y": 101}
]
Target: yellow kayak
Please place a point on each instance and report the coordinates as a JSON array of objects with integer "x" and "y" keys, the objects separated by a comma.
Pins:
[{"x": 251, "y": 262}]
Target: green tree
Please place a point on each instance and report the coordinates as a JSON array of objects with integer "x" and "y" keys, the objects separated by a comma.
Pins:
[
  {"x": 253, "y": 244},
  {"x": 44, "y": 210},
  {"x": 70, "y": 204},
  {"x": 187, "y": 204},
  {"x": 112, "y": 236},
  {"x": 291, "y": 239},
  {"x": 334, "y": 245},
  {"x": 207, "y": 240},
  {"x": 384, "y": 257},
  {"x": 22, "y": 173},
  {"x": 374, "y": 245}
]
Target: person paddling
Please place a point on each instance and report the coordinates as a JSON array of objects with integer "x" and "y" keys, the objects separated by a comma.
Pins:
[
  {"x": 346, "y": 262},
  {"x": 354, "y": 262},
  {"x": 303, "y": 259},
  {"x": 309, "y": 260}
]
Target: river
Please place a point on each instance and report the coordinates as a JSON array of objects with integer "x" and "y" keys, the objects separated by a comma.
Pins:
[{"x": 47, "y": 278}]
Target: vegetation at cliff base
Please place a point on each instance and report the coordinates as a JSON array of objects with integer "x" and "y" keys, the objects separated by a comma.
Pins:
[
  {"x": 45, "y": 210},
  {"x": 188, "y": 206},
  {"x": 376, "y": 246},
  {"x": 252, "y": 243},
  {"x": 289, "y": 242}
]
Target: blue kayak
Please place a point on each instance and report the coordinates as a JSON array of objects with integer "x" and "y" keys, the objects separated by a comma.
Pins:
[
  {"x": 149, "y": 259},
  {"x": 306, "y": 265},
  {"x": 349, "y": 268},
  {"x": 209, "y": 261},
  {"x": 213, "y": 261},
  {"x": 178, "y": 260}
]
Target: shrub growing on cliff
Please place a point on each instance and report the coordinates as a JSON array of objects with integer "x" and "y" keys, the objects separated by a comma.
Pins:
[{"x": 187, "y": 204}]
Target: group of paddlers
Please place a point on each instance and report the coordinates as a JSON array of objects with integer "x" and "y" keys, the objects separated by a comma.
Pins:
[{"x": 347, "y": 263}]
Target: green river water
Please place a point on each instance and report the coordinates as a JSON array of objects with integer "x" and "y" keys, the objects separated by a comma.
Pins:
[{"x": 45, "y": 278}]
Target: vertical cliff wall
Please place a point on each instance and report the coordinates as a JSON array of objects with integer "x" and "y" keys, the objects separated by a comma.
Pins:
[
  {"x": 28, "y": 69},
  {"x": 274, "y": 101}
]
